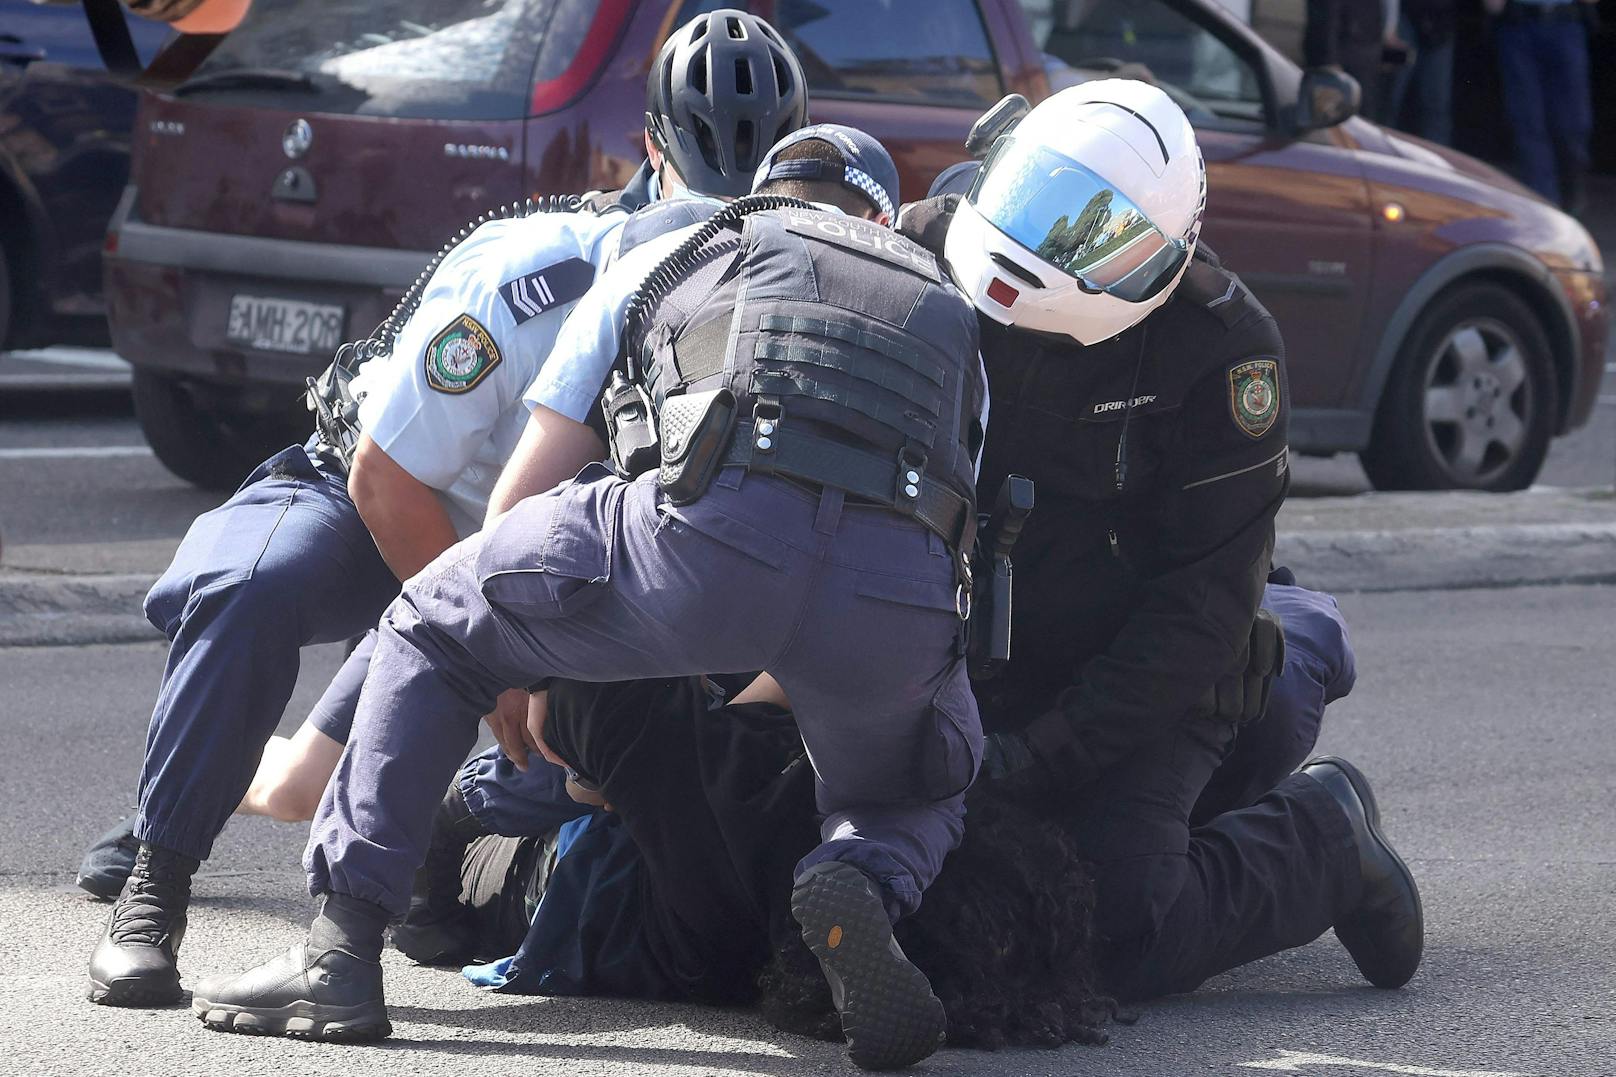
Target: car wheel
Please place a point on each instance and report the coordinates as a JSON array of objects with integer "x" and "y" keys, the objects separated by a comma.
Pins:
[
  {"x": 1470, "y": 403},
  {"x": 203, "y": 438}
]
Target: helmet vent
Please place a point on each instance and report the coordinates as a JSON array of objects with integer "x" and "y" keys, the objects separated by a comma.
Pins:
[
  {"x": 698, "y": 31},
  {"x": 736, "y": 30},
  {"x": 1015, "y": 270},
  {"x": 745, "y": 144},
  {"x": 743, "y": 78},
  {"x": 698, "y": 73},
  {"x": 706, "y": 142},
  {"x": 1161, "y": 144},
  {"x": 782, "y": 78}
]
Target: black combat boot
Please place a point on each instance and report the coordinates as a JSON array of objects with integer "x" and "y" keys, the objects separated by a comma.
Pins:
[
  {"x": 134, "y": 964},
  {"x": 1384, "y": 929},
  {"x": 437, "y": 929},
  {"x": 889, "y": 1015},
  {"x": 107, "y": 863},
  {"x": 327, "y": 989}
]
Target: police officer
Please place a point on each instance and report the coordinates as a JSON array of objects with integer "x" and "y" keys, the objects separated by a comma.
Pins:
[
  {"x": 311, "y": 548},
  {"x": 1143, "y": 389},
  {"x": 816, "y": 380}
]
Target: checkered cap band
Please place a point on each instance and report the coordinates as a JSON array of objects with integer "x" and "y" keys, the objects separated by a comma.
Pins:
[{"x": 857, "y": 177}]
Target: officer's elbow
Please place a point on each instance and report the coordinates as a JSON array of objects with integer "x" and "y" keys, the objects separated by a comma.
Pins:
[{"x": 372, "y": 480}]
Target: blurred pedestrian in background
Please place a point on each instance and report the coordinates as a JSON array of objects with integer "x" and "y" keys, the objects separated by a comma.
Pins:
[
  {"x": 1426, "y": 28},
  {"x": 1351, "y": 35},
  {"x": 1543, "y": 64}
]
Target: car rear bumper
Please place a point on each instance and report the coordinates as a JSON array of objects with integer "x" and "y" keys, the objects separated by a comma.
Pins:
[{"x": 168, "y": 294}]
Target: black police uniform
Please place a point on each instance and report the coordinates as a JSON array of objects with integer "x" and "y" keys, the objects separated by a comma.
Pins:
[{"x": 1160, "y": 461}]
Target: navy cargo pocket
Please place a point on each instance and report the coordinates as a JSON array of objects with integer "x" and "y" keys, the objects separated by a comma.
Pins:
[
  {"x": 551, "y": 555},
  {"x": 953, "y": 750}
]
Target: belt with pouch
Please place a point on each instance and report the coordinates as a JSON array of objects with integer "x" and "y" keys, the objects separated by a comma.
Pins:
[{"x": 699, "y": 434}]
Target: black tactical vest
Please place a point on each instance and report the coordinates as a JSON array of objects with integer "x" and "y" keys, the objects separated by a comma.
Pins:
[{"x": 827, "y": 329}]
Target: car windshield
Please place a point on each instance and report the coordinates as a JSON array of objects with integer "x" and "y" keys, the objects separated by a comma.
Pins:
[{"x": 438, "y": 59}]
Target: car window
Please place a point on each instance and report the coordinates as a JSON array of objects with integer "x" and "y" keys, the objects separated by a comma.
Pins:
[
  {"x": 929, "y": 52},
  {"x": 435, "y": 59},
  {"x": 1146, "y": 39}
]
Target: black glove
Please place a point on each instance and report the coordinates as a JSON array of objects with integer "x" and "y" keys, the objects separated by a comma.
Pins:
[
  {"x": 926, "y": 221},
  {"x": 1009, "y": 765},
  {"x": 1243, "y": 696}
]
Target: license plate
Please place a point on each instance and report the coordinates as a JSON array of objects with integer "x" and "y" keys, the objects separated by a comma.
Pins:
[{"x": 284, "y": 325}]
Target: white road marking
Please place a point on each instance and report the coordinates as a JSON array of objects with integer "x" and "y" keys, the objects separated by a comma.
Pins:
[
  {"x": 1293, "y": 1061},
  {"x": 73, "y": 452},
  {"x": 93, "y": 358}
]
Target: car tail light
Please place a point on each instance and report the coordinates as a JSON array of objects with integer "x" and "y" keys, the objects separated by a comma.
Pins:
[
  {"x": 610, "y": 19},
  {"x": 1001, "y": 293}
]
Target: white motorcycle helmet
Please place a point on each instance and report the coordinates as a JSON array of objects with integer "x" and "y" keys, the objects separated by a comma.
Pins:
[{"x": 1085, "y": 215}]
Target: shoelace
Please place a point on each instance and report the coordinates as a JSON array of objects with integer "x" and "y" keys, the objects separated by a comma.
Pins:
[{"x": 144, "y": 914}]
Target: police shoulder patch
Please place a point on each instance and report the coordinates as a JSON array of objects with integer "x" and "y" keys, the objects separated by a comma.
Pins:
[
  {"x": 1254, "y": 395},
  {"x": 460, "y": 356}
]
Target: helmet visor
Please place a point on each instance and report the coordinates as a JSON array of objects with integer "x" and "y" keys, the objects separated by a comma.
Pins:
[{"x": 1075, "y": 220}]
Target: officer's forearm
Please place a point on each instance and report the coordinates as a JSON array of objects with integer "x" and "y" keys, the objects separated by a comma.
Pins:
[
  {"x": 552, "y": 450},
  {"x": 405, "y": 516}
]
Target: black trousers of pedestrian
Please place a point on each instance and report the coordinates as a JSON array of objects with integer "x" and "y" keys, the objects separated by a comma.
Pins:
[{"x": 1178, "y": 905}]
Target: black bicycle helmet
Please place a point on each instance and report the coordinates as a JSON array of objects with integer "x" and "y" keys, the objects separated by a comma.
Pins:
[{"x": 724, "y": 88}]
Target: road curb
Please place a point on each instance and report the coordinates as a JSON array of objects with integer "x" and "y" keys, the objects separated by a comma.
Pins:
[
  {"x": 43, "y": 610},
  {"x": 1450, "y": 558}
]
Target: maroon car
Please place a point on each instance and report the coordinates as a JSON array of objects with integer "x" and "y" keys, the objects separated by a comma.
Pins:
[{"x": 1440, "y": 319}]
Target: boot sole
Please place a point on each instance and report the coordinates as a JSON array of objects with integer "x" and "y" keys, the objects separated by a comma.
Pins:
[
  {"x": 1360, "y": 786},
  {"x": 889, "y": 1014},
  {"x": 139, "y": 993},
  {"x": 299, "y": 1020}
]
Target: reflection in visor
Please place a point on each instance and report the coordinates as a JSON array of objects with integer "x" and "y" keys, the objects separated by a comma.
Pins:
[{"x": 1076, "y": 221}]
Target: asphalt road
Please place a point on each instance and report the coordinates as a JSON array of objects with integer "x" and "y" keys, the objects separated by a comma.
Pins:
[{"x": 1483, "y": 717}]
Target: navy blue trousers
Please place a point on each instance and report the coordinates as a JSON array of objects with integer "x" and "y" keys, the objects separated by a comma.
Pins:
[
  {"x": 1544, "y": 68},
  {"x": 851, "y": 608},
  {"x": 285, "y": 563}
]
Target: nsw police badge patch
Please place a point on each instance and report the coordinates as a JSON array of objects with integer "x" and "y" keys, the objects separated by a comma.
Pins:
[
  {"x": 460, "y": 356},
  {"x": 1254, "y": 395}
]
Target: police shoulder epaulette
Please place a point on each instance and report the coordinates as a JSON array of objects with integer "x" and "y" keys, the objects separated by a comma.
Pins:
[{"x": 1218, "y": 291}]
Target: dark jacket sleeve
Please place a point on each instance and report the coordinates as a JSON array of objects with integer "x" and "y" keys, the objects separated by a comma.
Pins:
[{"x": 1215, "y": 522}]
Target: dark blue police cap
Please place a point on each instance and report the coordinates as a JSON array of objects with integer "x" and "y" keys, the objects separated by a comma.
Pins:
[{"x": 869, "y": 168}]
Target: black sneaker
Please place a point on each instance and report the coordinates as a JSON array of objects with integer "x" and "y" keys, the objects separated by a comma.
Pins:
[
  {"x": 135, "y": 962},
  {"x": 889, "y": 1014},
  {"x": 107, "y": 863}
]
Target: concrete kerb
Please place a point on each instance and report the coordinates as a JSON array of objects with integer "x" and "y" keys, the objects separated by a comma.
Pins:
[{"x": 1373, "y": 542}]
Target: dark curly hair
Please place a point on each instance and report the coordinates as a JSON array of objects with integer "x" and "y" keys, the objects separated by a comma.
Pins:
[{"x": 1005, "y": 935}]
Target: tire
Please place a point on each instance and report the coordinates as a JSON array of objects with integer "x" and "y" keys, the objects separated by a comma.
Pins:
[
  {"x": 1470, "y": 403},
  {"x": 201, "y": 437}
]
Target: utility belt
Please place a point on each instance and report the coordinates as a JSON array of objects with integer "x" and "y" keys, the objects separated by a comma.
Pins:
[{"x": 699, "y": 434}]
